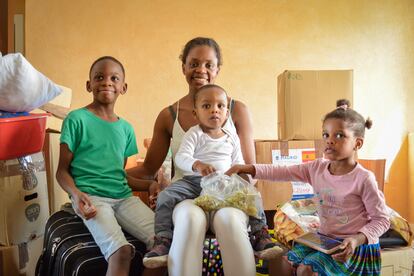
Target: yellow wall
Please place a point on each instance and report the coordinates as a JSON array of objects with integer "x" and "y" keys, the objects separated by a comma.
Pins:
[
  {"x": 14, "y": 7},
  {"x": 259, "y": 40}
]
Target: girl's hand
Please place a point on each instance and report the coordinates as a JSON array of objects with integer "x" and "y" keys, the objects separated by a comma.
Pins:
[
  {"x": 347, "y": 249},
  {"x": 203, "y": 168},
  {"x": 83, "y": 205},
  {"x": 238, "y": 169}
]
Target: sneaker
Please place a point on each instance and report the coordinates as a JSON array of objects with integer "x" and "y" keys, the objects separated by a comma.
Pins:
[
  {"x": 264, "y": 247},
  {"x": 158, "y": 255}
]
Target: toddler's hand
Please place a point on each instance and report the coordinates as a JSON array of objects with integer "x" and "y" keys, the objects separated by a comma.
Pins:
[{"x": 203, "y": 168}]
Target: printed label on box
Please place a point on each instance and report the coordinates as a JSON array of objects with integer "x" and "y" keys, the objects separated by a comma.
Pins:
[{"x": 295, "y": 156}]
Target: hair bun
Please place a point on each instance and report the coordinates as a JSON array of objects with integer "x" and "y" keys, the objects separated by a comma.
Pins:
[
  {"x": 343, "y": 103},
  {"x": 368, "y": 123}
]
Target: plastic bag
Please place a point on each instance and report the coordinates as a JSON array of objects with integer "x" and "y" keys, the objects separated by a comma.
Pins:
[
  {"x": 295, "y": 218},
  {"x": 220, "y": 190}
]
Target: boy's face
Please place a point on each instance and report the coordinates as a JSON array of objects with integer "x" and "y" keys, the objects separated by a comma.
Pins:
[
  {"x": 106, "y": 82},
  {"x": 211, "y": 108}
]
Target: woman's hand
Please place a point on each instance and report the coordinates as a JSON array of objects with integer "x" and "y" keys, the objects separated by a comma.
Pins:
[
  {"x": 348, "y": 247},
  {"x": 153, "y": 190},
  {"x": 83, "y": 205},
  {"x": 238, "y": 169},
  {"x": 203, "y": 168}
]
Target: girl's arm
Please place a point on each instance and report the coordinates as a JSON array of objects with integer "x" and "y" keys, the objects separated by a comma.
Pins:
[
  {"x": 274, "y": 172},
  {"x": 374, "y": 202},
  {"x": 375, "y": 205},
  {"x": 81, "y": 201},
  {"x": 244, "y": 126}
]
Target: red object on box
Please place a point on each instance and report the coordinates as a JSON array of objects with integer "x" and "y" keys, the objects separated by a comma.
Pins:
[{"x": 20, "y": 136}]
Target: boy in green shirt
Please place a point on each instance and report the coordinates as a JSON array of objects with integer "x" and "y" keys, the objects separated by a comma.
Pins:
[{"x": 95, "y": 144}]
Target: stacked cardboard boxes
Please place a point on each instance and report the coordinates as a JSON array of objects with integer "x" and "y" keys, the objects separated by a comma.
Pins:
[
  {"x": 285, "y": 153},
  {"x": 304, "y": 97}
]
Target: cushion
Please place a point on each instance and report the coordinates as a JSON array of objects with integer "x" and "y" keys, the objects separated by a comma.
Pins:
[{"x": 22, "y": 87}]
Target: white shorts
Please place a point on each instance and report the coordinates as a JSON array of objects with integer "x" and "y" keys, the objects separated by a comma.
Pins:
[{"x": 130, "y": 214}]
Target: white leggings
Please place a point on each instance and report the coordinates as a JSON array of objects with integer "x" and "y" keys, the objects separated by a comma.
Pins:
[{"x": 230, "y": 227}]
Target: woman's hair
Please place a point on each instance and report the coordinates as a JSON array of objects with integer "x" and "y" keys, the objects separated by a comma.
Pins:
[
  {"x": 207, "y": 86},
  {"x": 110, "y": 58},
  {"x": 354, "y": 120},
  {"x": 201, "y": 41}
]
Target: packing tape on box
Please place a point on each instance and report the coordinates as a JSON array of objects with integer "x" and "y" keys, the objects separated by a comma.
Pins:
[{"x": 284, "y": 148}]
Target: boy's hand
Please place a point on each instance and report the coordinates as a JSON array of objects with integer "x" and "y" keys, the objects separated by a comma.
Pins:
[
  {"x": 83, "y": 205},
  {"x": 238, "y": 169},
  {"x": 203, "y": 168}
]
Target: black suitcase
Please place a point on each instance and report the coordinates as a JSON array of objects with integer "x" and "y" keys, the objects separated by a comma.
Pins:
[{"x": 69, "y": 249}]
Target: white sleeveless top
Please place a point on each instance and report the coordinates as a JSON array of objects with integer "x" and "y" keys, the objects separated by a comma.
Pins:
[{"x": 178, "y": 134}]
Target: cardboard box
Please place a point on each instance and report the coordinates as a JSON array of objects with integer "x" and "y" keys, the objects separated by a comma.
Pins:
[
  {"x": 19, "y": 260},
  {"x": 24, "y": 206},
  {"x": 10, "y": 262},
  {"x": 283, "y": 152},
  {"x": 57, "y": 196},
  {"x": 304, "y": 97},
  {"x": 397, "y": 261}
]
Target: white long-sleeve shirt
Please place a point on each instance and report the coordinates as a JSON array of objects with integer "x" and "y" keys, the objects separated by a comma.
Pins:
[{"x": 196, "y": 145}]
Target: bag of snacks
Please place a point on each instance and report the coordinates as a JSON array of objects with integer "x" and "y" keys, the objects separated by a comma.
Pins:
[{"x": 220, "y": 190}]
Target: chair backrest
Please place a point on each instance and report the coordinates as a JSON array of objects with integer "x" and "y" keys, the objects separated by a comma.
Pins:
[{"x": 377, "y": 166}]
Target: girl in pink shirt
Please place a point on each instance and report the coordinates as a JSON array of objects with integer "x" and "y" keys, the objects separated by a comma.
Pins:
[{"x": 350, "y": 207}]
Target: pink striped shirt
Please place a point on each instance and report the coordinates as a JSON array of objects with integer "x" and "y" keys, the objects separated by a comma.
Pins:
[{"x": 348, "y": 204}]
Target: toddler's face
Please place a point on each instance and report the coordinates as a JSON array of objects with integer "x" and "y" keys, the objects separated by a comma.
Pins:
[
  {"x": 106, "y": 81},
  {"x": 340, "y": 142},
  {"x": 211, "y": 108},
  {"x": 201, "y": 67}
]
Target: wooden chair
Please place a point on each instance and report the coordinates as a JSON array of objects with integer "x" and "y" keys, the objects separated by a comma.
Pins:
[{"x": 377, "y": 166}]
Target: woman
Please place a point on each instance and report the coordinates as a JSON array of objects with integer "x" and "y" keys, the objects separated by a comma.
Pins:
[{"x": 201, "y": 61}]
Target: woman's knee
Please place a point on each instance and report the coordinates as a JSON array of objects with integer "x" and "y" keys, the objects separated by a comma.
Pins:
[
  {"x": 188, "y": 211},
  {"x": 230, "y": 218}
]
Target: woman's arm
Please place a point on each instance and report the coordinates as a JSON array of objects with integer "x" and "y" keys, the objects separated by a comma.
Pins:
[
  {"x": 244, "y": 126},
  {"x": 158, "y": 149}
]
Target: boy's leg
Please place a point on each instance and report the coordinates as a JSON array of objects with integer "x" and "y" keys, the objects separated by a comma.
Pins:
[
  {"x": 120, "y": 262},
  {"x": 260, "y": 238},
  {"x": 137, "y": 219},
  {"x": 178, "y": 191},
  {"x": 108, "y": 235}
]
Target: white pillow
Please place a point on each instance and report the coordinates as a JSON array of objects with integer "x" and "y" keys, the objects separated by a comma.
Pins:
[{"x": 22, "y": 87}]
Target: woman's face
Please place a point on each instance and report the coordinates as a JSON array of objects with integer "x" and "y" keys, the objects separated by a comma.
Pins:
[{"x": 201, "y": 67}]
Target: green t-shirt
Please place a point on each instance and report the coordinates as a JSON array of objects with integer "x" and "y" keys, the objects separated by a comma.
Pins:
[{"x": 99, "y": 150}]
